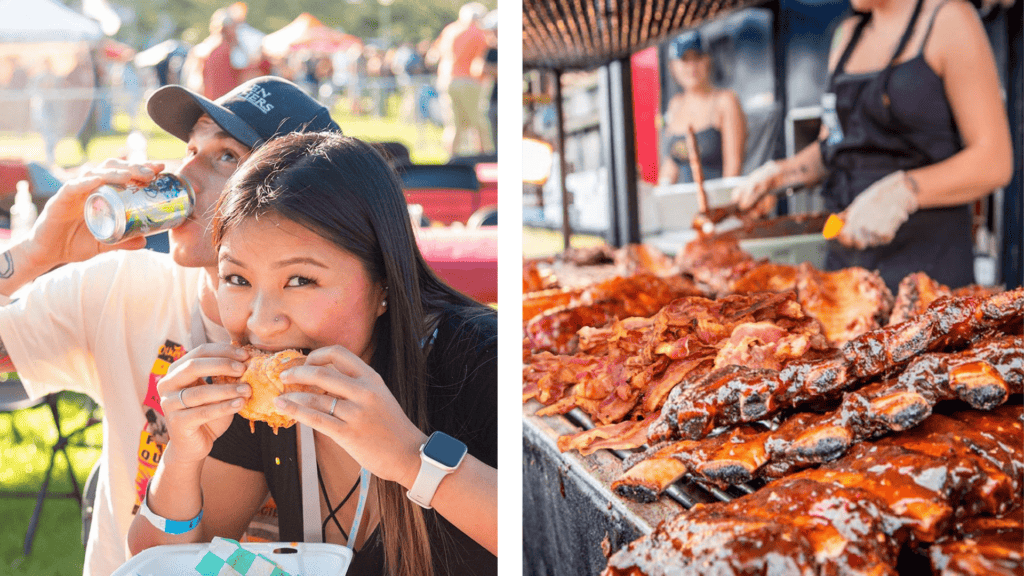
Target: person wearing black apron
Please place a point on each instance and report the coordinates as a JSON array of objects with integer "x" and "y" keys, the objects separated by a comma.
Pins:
[{"x": 879, "y": 129}]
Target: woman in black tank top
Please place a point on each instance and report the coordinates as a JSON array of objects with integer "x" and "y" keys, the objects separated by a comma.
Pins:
[
  {"x": 913, "y": 130},
  {"x": 714, "y": 114}
]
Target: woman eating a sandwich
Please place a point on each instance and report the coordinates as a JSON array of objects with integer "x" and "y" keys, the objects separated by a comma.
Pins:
[{"x": 394, "y": 372}]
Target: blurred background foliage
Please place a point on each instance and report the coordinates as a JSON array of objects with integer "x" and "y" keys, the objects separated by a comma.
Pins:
[{"x": 148, "y": 22}]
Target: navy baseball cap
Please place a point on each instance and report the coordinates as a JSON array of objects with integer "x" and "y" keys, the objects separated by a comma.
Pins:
[
  {"x": 686, "y": 42},
  {"x": 254, "y": 112}
]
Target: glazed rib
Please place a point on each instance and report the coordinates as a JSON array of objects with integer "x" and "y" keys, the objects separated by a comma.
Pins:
[
  {"x": 982, "y": 546},
  {"x": 984, "y": 376},
  {"x": 851, "y": 516},
  {"x": 744, "y": 393}
]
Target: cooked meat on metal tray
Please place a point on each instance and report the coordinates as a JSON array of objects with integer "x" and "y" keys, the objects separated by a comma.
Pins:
[
  {"x": 984, "y": 376},
  {"x": 854, "y": 515}
]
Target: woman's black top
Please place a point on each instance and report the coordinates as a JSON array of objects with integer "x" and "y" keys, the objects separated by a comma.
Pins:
[
  {"x": 462, "y": 400},
  {"x": 880, "y": 122}
]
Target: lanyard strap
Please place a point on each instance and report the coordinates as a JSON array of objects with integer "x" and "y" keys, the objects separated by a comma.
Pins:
[
  {"x": 198, "y": 333},
  {"x": 311, "y": 493}
]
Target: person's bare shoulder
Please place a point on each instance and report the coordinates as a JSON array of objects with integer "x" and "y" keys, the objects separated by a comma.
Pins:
[
  {"x": 727, "y": 102},
  {"x": 728, "y": 97},
  {"x": 957, "y": 35}
]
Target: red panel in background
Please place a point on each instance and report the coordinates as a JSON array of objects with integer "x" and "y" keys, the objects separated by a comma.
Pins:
[
  {"x": 646, "y": 104},
  {"x": 11, "y": 171},
  {"x": 445, "y": 206},
  {"x": 466, "y": 259},
  {"x": 487, "y": 174}
]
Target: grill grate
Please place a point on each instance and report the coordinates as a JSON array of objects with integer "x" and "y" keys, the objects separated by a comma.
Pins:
[
  {"x": 566, "y": 34},
  {"x": 685, "y": 493}
]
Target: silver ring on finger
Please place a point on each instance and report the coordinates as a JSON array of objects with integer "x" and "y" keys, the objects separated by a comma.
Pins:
[
  {"x": 181, "y": 398},
  {"x": 334, "y": 405}
]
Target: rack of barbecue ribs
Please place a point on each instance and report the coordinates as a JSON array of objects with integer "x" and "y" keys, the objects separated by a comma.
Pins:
[
  {"x": 745, "y": 392},
  {"x": 917, "y": 291},
  {"x": 854, "y": 515},
  {"x": 581, "y": 266},
  {"x": 984, "y": 376}
]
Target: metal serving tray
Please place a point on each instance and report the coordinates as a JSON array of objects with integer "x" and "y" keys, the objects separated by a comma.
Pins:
[{"x": 571, "y": 516}]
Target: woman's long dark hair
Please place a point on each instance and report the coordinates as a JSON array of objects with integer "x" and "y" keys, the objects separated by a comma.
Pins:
[{"x": 342, "y": 189}]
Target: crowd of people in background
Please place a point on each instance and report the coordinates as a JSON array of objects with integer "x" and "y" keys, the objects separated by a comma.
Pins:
[{"x": 366, "y": 74}]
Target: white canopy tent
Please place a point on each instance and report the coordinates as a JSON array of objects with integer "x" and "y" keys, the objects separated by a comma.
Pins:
[
  {"x": 44, "y": 21},
  {"x": 47, "y": 78}
]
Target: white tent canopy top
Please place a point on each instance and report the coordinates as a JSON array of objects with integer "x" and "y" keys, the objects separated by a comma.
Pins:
[{"x": 44, "y": 21}]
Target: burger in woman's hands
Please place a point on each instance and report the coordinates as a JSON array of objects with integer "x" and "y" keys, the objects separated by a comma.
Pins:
[{"x": 263, "y": 375}]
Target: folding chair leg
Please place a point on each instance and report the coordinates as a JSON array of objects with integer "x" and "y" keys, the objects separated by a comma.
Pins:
[
  {"x": 33, "y": 523},
  {"x": 60, "y": 447}
]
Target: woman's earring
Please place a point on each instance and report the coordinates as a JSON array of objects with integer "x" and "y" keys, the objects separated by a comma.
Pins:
[{"x": 384, "y": 303}]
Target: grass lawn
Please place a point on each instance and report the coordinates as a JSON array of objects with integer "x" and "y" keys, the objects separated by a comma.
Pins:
[
  {"x": 423, "y": 139},
  {"x": 26, "y": 437}
]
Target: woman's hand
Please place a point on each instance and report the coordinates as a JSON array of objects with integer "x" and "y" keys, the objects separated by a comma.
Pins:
[
  {"x": 198, "y": 413},
  {"x": 764, "y": 179},
  {"x": 875, "y": 215},
  {"x": 358, "y": 412}
]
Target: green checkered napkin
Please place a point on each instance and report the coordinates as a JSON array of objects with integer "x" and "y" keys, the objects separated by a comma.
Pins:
[{"x": 226, "y": 557}]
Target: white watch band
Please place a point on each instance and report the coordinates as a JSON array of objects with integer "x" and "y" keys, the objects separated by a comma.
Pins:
[{"x": 427, "y": 481}]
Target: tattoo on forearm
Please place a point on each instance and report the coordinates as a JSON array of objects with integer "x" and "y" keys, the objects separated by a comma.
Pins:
[
  {"x": 7, "y": 265},
  {"x": 805, "y": 173}
]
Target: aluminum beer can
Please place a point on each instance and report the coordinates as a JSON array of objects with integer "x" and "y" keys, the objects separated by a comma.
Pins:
[{"x": 114, "y": 213}]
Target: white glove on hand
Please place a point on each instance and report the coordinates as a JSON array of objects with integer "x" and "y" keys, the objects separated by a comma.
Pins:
[
  {"x": 878, "y": 212},
  {"x": 766, "y": 177}
]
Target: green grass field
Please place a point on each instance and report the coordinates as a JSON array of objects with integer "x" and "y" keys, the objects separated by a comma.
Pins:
[
  {"x": 26, "y": 438},
  {"x": 422, "y": 139}
]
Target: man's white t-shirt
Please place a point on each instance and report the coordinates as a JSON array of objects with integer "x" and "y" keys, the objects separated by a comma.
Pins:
[{"x": 109, "y": 328}]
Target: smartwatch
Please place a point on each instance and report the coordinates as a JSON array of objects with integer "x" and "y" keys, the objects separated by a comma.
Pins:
[
  {"x": 439, "y": 456},
  {"x": 167, "y": 525}
]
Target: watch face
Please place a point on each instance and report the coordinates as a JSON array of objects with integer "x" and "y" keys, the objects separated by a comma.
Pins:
[{"x": 444, "y": 449}]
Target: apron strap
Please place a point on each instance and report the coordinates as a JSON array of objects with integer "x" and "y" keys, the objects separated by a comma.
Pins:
[
  {"x": 859, "y": 30},
  {"x": 899, "y": 50},
  {"x": 854, "y": 38},
  {"x": 931, "y": 24}
]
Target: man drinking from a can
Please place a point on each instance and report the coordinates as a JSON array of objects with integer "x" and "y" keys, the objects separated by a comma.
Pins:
[{"x": 106, "y": 319}]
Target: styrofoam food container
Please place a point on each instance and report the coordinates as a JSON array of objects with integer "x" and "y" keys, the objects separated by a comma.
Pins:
[{"x": 297, "y": 558}]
